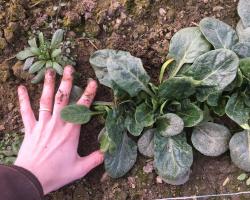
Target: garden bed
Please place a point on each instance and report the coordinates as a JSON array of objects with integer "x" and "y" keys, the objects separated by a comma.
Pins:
[{"x": 144, "y": 28}]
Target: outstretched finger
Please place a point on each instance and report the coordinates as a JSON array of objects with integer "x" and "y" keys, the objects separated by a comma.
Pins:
[
  {"x": 87, "y": 163},
  {"x": 89, "y": 94},
  {"x": 46, "y": 101},
  {"x": 26, "y": 111}
]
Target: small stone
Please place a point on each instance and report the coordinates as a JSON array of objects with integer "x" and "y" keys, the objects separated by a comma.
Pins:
[
  {"x": 2, "y": 127},
  {"x": 217, "y": 8},
  {"x": 205, "y": 1},
  {"x": 10, "y": 106},
  {"x": 131, "y": 182},
  {"x": 162, "y": 11},
  {"x": 159, "y": 180},
  {"x": 3, "y": 43},
  {"x": 148, "y": 168}
]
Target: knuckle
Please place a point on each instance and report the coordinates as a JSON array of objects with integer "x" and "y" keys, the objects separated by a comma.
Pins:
[{"x": 61, "y": 97}]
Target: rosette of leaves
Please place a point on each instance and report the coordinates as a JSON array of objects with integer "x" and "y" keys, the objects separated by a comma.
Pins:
[
  {"x": 43, "y": 54},
  {"x": 9, "y": 146}
]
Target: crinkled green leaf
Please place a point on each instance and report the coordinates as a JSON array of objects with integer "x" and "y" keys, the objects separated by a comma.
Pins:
[
  {"x": 185, "y": 46},
  {"x": 98, "y": 61},
  {"x": 173, "y": 156},
  {"x": 213, "y": 98},
  {"x": 49, "y": 64},
  {"x": 237, "y": 110},
  {"x": 77, "y": 114},
  {"x": 214, "y": 70},
  {"x": 58, "y": 68},
  {"x": 190, "y": 114},
  {"x": 22, "y": 55},
  {"x": 57, "y": 38},
  {"x": 56, "y": 52},
  {"x": 245, "y": 67},
  {"x": 242, "y": 49},
  {"x": 218, "y": 33},
  {"x": 28, "y": 62},
  {"x": 144, "y": 115},
  {"x": 146, "y": 143},
  {"x": 132, "y": 126},
  {"x": 177, "y": 88},
  {"x": 120, "y": 161},
  {"x": 211, "y": 139},
  {"x": 37, "y": 66},
  {"x": 39, "y": 77},
  {"x": 244, "y": 12},
  {"x": 128, "y": 72},
  {"x": 169, "y": 124},
  {"x": 32, "y": 42},
  {"x": 240, "y": 150}
]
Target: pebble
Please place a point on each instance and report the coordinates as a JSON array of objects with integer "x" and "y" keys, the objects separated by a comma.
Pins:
[
  {"x": 162, "y": 11},
  {"x": 217, "y": 8},
  {"x": 148, "y": 168},
  {"x": 159, "y": 180},
  {"x": 205, "y": 1}
]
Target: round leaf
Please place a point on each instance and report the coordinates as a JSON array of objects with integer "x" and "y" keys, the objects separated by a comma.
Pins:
[
  {"x": 144, "y": 115},
  {"x": 242, "y": 49},
  {"x": 240, "y": 150},
  {"x": 218, "y": 33},
  {"x": 244, "y": 12},
  {"x": 178, "y": 181},
  {"x": 132, "y": 126},
  {"x": 211, "y": 139},
  {"x": 169, "y": 124},
  {"x": 146, "y": 143},
  {"x": 77, "y": 114}
]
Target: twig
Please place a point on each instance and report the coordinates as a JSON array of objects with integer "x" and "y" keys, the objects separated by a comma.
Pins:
[
  {"x": 10, "y": 58},
  {"x": 83, "y": 38},
  {"x": 206, "y": 196},
  {"x": 35, "y": 4}
]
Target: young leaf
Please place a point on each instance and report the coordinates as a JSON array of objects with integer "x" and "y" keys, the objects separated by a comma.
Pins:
[
  {"x": 37, "y": 66},
  {"x": 39, "y": 77},
  {"x": 242, "y": 49},
  {"x": 169, "y": 124},
  {"x": 132, "y": 126},
  {"x": 32, "y": 42},
  {"x": 22, "y": 55},
  {"x": 57, "y": 38},
  {"x": 220, "y": 66},
  {"x": 56, "y": 52},
  {"x": 49, "y": 64},
  {"x": 238, "y": 111},
  {"x": 185, "y": 46},
  {"x": 239, "y": 150},
  {"x": 98, "y": 61},
  {"x": 129, "y": 74},
  {"x": 245, "y": 67},
  {"x": 173, "y": 156},
  {"x": 106, "y": 144},
  {"x": 242, "y": 177},
  {"x": 146, "y": 143},
  {"x": 41, "y": 39},
  {"x": 77, "y": 114},
  {"x": 218, "y": 33},
  {"x": 211, "y": 139},
  {"x": 244, "y": 12},
  {"x": 122, "y": 159},
  {"x": 58, "y": 68},
  {"x": 243, "y": 32},
  {"x": 190, "y": 114},
  {"x": 144, "y": 115},
  {"x": 28, "y": 62},
  {"x": 177, "y": 88}
]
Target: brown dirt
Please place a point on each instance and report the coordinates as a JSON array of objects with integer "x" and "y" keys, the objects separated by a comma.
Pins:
[{"x": 132, "y": 25}]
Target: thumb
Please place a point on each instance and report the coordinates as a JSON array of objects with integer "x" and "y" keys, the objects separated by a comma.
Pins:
[{"x": 87, "y": 163}]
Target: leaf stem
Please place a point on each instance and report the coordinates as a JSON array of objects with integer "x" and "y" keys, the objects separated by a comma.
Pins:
[
  {"x": 97, "y": 113},
  {"x": 164, "y": 67}
]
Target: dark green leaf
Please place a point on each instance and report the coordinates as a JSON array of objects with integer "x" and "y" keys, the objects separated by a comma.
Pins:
[
  {"x": 242, "y": 49},
  {"x": 185, "y": 46},
  {"x": 169, "y": 124},
  {"x": 98, "y": 60},
  {"x": 173, "y": 156},
  {"x": 57, "y": 38},
  {"x": 22, "y": 55},
  {"x": 239, "y": 150},
  {"x": 211, "y": 139},
  {"x": 213, "y": 98},
  {"x": 177, "y": 88},
  {"x": 245, "y": 67},
  {"x": 37, "y": 66},
  {"x": 128, "y": 72},
  {"x": 190, "y": 114},
  {"x": 123, "y": 158},
  {"x": 132, "y": 126},
  {"x": 218, "y": 33},
  {"x": 146, "y": 143},
  {"x": 244, "y": 12},
  {"x": 144, "y": 115},
  {"x": 238, "y": 111},
  {"x": 77, "y": 114}
]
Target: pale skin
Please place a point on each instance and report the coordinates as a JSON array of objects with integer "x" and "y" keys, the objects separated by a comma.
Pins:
[{"x": 49, "y": 149}]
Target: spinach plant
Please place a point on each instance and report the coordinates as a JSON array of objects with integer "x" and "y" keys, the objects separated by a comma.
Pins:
[
  {"x": 207, "y": 75},
  {"x": 43, "y": 54}
]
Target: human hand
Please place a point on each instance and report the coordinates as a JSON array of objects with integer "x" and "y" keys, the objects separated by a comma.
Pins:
[{"x": 49, "y": 149}]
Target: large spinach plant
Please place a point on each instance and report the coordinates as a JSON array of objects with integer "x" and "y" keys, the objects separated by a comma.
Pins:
[{"x": 207, "y": 76}]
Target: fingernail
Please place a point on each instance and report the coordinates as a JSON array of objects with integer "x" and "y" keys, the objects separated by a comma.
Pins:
[
  {"x": 68, "y": 70},
  {"x": 21, "y": 89}
]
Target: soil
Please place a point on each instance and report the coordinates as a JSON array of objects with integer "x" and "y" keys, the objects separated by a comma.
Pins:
[{"x": 143, "y": 27}]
